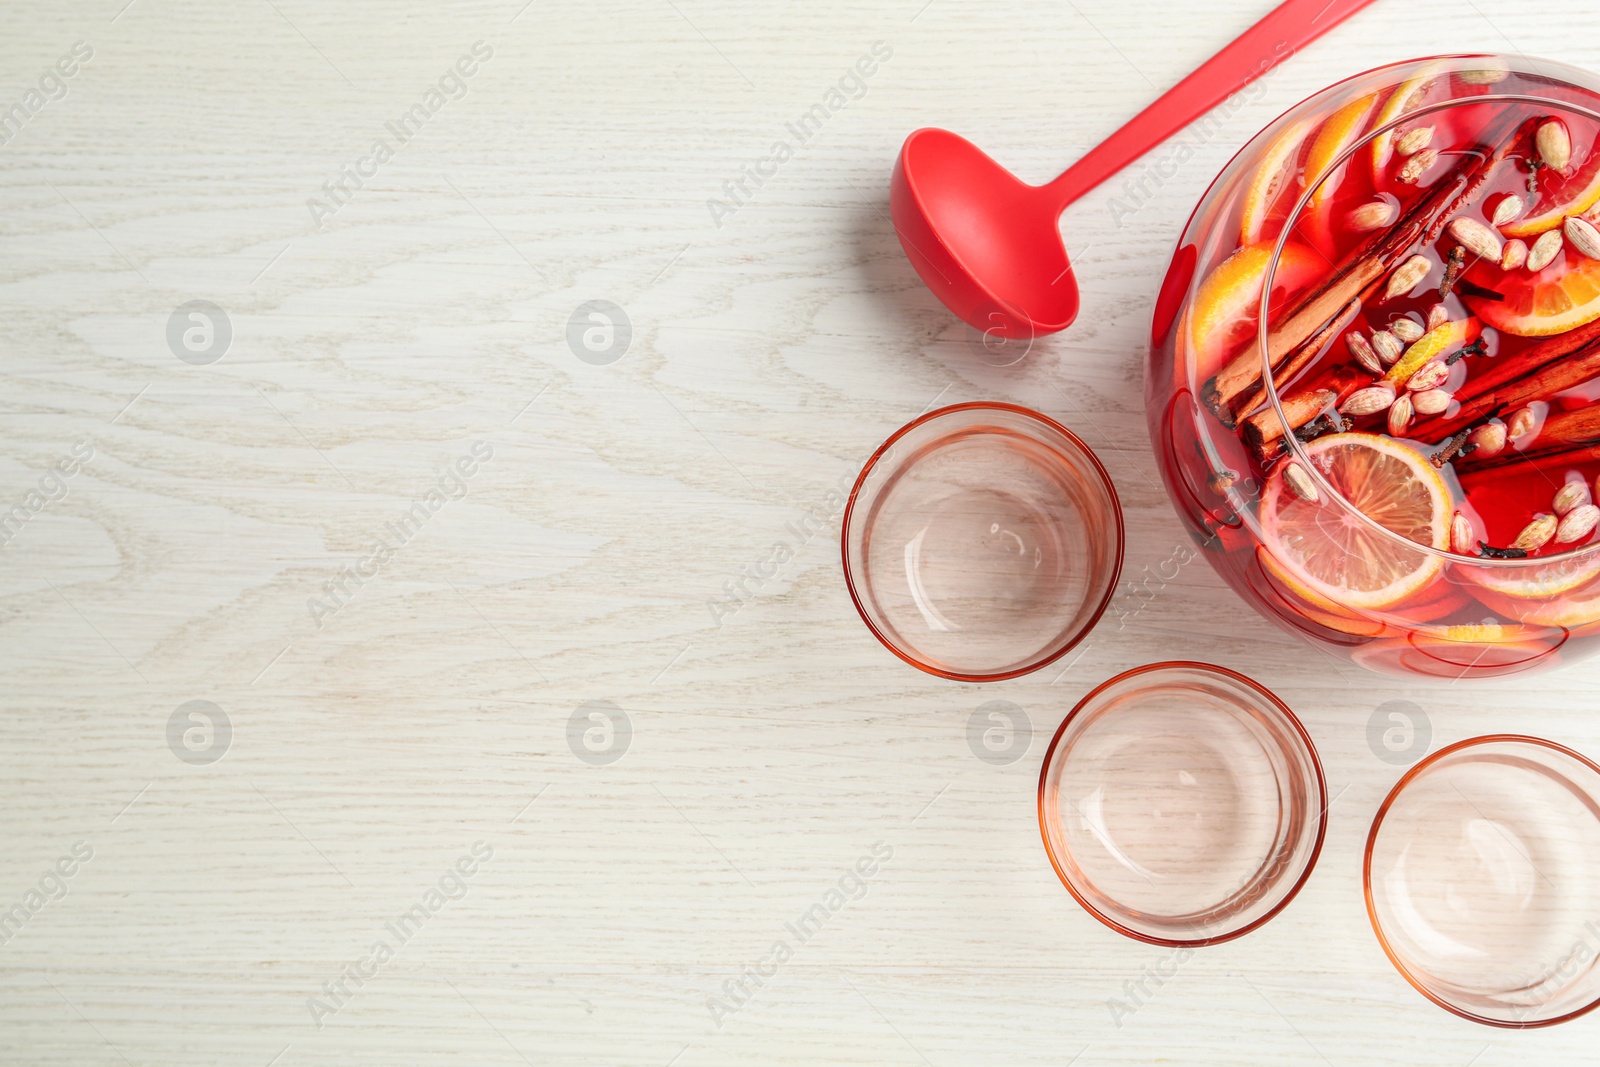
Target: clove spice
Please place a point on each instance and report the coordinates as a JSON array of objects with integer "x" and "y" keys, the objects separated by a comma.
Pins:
[
  {"x": 1453, "y": 266},
  {"x": 1476, "y": 348},
  {"x": 1451, "y": 449},
  {"x": 1322, "y": 425}
]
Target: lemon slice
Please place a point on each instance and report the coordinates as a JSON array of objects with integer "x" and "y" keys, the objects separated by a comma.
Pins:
[
  {"x": 1408, "y": 96},
  {"x": 1559, "y": 195},
  {"x": 1437, "y": 342},
  {"x": 1331, "y": 552},
  {"x": 1556, "y": 578}
]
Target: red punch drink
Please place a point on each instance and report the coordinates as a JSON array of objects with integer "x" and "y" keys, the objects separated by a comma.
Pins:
[{"x": 1394, "y": 454}]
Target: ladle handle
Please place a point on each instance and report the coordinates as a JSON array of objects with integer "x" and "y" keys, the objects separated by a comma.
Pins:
[{"x": 1289, "y": 27}]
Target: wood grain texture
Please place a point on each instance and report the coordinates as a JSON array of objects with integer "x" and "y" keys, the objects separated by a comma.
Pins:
[{"x": 771, "y": 746}]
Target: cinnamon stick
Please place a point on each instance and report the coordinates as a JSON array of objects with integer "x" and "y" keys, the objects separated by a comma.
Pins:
[
  {"x": 1539, "y": 372},
  {"x": 1264, "y": 430},
  {"x": 1563, "y": 432},
  {"x": 1520, "y": 465},
  {"x": 1542, "y": 385},
  {"x": 1312, "y": 345},
  {"x": 1355, "y": 278},
  {"x": 1301, "y": 335}
]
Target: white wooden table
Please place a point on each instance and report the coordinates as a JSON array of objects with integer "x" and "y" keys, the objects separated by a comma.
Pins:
[{"x": 385, "y": 711}]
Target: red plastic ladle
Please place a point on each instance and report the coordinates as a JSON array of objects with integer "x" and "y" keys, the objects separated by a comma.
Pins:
[{"x": 989, "y": 245}]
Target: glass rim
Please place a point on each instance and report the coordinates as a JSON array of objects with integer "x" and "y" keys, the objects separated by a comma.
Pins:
[
  {"x": 1295, "y": 446},
  {"x": 1424, "y": 765},
  {"x": 1078, "y": 445},
  {"x": 1271, "y": 701}
]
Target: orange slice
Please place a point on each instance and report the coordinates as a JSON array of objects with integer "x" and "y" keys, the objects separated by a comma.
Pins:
[
  {"x": 1329, "y": 552},
  {"x": 1407, "y": 96},
  {"x": 1562, "y": 297},
  {"x": 1560, "y": 195},
  {"x": 1273, "y": 175},
  {"x": 1437, "y": 342},
  {"x": 1337, "y": 134},
  {"x": 1225, "y": 309}
]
